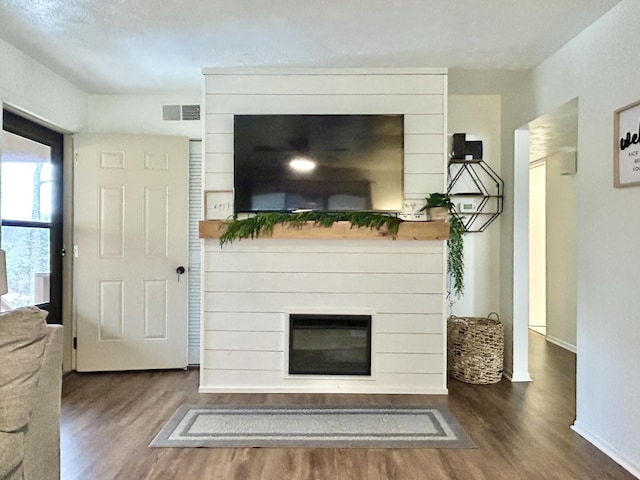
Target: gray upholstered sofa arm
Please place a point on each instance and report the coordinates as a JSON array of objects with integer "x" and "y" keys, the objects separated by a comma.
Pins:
[
  {"x": 30, "y": 394},
  {"x": 42, "y": 440}
]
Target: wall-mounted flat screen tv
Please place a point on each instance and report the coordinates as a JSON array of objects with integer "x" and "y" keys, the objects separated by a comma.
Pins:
[{"x": 318, "y": 162}]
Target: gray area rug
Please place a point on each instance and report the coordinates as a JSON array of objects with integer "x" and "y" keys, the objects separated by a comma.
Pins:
[{"x": 312, "y": 427}]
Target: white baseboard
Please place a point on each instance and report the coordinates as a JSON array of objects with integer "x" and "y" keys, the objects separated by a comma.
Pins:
[
  {"x": 370, "y": 391},
  {"x": 518, "y": 377},
  {"x": 561, "y": 343},
  {"x": 630, "y": 465}
]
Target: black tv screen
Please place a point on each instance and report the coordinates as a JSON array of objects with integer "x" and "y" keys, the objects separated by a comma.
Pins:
[{"x": 318, "y": 162}]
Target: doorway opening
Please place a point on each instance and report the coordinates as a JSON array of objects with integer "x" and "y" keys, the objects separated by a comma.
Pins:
[
  {"x": 537, "y": 247},
  {"x": 553, "y": 138},
  {"x": 553, "y": 244}
]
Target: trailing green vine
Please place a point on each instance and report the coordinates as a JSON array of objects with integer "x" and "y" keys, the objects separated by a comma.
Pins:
[
  {"x": 455, "y": 253},
  {"x": 455, "y": 244},
  {"x": 261, "y": 224}
]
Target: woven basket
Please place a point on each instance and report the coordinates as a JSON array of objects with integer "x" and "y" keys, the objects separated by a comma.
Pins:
[{"x": 475, "y": 349}]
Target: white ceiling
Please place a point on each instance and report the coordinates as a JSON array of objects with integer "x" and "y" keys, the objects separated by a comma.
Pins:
[{"x": 149, "y": 46}]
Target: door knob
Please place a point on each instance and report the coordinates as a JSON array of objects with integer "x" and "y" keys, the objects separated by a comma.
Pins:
[{"x": 180, "y": 270}]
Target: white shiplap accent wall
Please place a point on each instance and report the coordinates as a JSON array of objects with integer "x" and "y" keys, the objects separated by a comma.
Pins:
[{"x": 251, "y": 286}]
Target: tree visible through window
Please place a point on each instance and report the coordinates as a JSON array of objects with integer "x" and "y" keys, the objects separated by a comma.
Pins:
[{"x": 26, "y": 195}]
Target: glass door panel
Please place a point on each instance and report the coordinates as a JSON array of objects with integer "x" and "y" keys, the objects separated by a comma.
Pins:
[
  {"x": 26, "y": 179},
  {"x": 31, "y": 211}
]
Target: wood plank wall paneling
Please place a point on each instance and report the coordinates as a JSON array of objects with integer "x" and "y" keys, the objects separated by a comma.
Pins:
[
  {"x": 363, "y": 302},
  {"x": 408, "y": 323},
  {"x": 216, "y": 380},
  {"x": 249, "y": 286},
  {"x": 325, "y": 104},
  {"x": 316, "y": 84},
  {"x": 244, "y": 341},
  {"x": 414, "y": 124},
  {"x": 219, "y": 163},
  {"x": 352, "y": 247},
  {"x": 414, "y": 163},
  {"x": 412, "y": 283},
  {"x": 228, "y": 260}
]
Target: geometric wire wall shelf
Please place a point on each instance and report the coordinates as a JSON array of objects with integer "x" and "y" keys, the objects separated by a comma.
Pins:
[{"x": 477, "y": 193}]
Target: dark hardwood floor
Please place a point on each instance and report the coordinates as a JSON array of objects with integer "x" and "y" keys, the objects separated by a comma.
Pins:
[{"x": 521, "y": 430}]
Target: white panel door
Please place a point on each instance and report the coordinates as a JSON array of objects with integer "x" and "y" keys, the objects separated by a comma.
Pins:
[{"x": 130, "y": 236}]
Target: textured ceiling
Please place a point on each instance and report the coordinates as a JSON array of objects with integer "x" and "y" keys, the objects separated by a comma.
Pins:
[{"x": 135, "y": 46}]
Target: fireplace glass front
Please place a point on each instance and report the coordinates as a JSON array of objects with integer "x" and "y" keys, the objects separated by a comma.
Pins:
[{"x": 329, "y": 344}]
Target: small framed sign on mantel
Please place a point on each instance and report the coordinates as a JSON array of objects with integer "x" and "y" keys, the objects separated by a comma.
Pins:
[
  {"x": 218, "y": 204},
  {"x": 626, "y": 160}
]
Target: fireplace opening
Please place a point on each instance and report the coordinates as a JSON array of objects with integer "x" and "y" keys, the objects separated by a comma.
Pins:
[{"x": 329, "y": 344}]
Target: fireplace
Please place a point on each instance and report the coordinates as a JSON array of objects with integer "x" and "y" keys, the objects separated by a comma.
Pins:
[
  {"x": 251, "y": 287},
  {"x": 322, "y": 344}
]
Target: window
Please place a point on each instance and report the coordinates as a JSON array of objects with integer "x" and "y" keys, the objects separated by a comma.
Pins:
[{"x": 31, "y": 210}]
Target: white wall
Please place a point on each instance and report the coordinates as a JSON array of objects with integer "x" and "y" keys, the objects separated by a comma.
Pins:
[
  {"x": 34, "y": 89},
  {"x": 517, "y": 105},
  {"x": 141, "y": 114},
  {"x": 598, "y": 66},
  {"x": 479, "y": 117},
  {"x": 562, "y": 250}
]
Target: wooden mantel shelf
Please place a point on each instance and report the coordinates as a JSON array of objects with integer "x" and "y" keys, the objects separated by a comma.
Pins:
[{"x": 341, "y": 231}]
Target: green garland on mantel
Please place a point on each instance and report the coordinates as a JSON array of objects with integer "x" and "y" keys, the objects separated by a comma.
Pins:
[{"x": 261, "y": 224}]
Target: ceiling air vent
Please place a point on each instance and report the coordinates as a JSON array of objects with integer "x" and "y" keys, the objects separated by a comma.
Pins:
[
  {"x": 170, "y": 113},
  {"x": 190, "y": 112},
  {"x": 175, "y": 113}
]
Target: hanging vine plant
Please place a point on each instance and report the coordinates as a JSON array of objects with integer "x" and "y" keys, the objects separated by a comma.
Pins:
[
  {"x": 455, "y": 244},
  {"x": 261, "y": 224},
  {"x": 455, "y": 253}
]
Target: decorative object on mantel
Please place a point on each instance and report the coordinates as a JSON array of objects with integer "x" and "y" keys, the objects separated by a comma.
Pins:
[
  {"x": 475, "y": 349},
  {"x": 218, "y": 204},
  {"x": 455, "y": 244},
  {"x": 438, "y": 207},
  {"x": 626, "y": 159},
  {"x": 413, "y": 210}
]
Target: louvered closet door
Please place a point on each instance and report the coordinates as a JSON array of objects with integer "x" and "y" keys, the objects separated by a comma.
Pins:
[
  {"x": 195, "y": 249},
  {"x": 131, "y": 235}
]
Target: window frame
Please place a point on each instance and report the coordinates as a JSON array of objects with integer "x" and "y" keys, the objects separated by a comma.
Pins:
[{"x": 26, "y": 128}]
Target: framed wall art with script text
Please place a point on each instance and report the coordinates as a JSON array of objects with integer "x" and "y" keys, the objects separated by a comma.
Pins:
[{"x": 626, "y": 159}]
